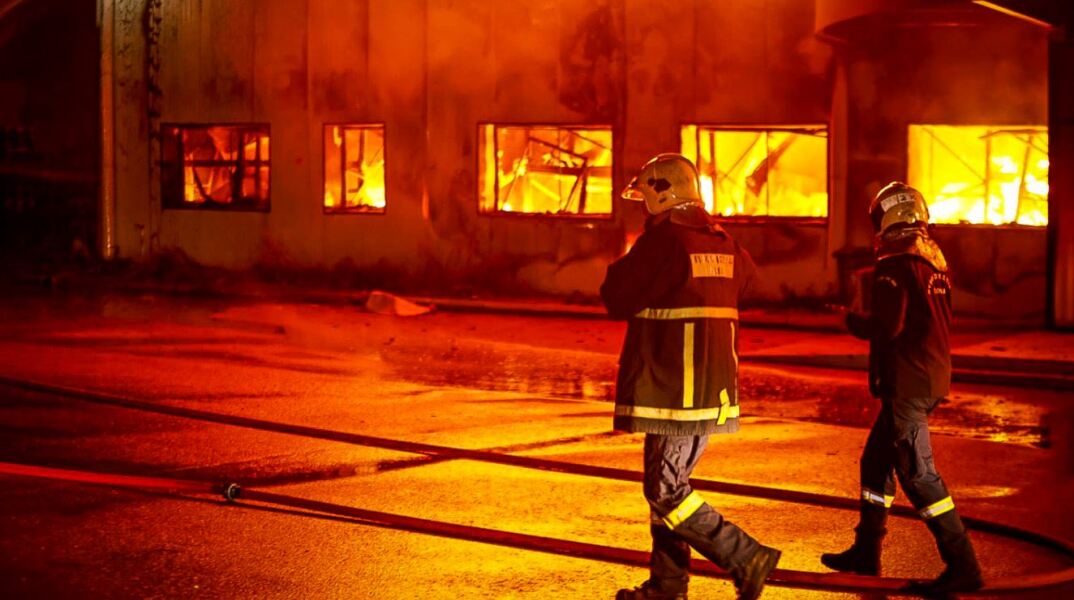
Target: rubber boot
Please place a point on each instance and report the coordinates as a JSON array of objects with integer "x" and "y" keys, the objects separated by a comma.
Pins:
[
  {"x": 750, "y": 578},
  {"x": 962, "y": 573},
  {"x": 648, "y": 591},
  {"x": 863, "y": 557}
]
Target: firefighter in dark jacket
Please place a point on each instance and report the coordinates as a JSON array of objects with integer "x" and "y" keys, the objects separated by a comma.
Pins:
[
  {"x": 910, "y": 372},
  {"x": 678, "y": 289}
]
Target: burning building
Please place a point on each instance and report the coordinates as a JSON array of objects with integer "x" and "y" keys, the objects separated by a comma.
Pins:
[{"x": 482, "y": 142}]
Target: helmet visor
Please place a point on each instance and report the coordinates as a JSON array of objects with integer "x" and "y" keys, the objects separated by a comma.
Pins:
[{"x": 631, "y": 192}]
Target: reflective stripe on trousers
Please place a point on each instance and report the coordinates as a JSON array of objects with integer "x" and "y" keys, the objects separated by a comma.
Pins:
[
  {"x": 937, "y": 508},
  {"x": 876, "y": 498},
  {"x": 899, "y": 447},
  {"x": 669, "y": 461}
]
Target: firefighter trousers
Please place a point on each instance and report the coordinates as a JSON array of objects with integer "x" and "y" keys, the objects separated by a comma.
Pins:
[
  {"x": 681, "y": 519},
  {"x": 899, "y": 448}
]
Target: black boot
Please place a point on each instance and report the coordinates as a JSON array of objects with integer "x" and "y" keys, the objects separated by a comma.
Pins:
[
  {"x": 863, "y": 557},
  {"x": 648, "y": 591},
  {"x": 962, "y": 573},
  {"x": 750, "y": 578},
  {"x": 669, "y": 563}
]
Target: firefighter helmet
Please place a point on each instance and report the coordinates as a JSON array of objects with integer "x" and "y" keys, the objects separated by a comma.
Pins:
[
  {"x": 898, "y": 204},
  {"x": 666, "y": 181}
]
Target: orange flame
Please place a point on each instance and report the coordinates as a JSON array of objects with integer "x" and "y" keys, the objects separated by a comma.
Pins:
[
  {"x": 760, "y": 172},
  {"x": 981, "y": 175},
  {"x": 546, "y": 170}
]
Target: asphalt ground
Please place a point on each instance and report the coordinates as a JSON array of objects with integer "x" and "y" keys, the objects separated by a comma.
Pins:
[{"x": 525, "y": 385}]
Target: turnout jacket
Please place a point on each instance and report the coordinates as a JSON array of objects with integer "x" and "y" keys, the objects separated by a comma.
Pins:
[
  {"x": 907, "y": 329},
  {"x": 678, "y": 289}
]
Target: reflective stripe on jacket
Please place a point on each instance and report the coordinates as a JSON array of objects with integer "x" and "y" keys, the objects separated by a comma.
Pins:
[{"x": 678, "y": 288}]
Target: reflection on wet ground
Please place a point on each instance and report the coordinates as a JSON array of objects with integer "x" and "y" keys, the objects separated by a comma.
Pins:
[
  {"x": 553, "y": 374},
  {"x": 450, "y": 351},
  {"x": 764, "y": 391}
]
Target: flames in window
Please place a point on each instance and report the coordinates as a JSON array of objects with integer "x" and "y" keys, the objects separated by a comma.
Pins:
[
  {"x": 221, "y": 166},
  {"x": 545, "y": 170},
  {"x": 761, "y": 172},
  {"x": 981, "y": 174},
  {"x": 354, "y": 169}
]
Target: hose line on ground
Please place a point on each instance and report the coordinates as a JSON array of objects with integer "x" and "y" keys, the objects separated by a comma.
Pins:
[{"x": 783, "y": 577}]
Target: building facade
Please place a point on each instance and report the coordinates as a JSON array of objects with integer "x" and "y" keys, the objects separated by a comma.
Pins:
[{"x": 480, "y": 143}]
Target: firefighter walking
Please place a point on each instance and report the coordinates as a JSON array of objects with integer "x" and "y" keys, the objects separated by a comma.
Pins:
[
  {"x": 910, "y": 372},
  {"x": 678, "y": 288}
]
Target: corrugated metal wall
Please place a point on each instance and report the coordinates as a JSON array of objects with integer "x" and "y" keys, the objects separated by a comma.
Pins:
[{"x": 431, "y": 71}]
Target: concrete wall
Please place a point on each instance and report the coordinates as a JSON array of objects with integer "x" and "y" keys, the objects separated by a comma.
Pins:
[
  {"x": 431, "y": 71},
  {"x": 997, "y": 271}
]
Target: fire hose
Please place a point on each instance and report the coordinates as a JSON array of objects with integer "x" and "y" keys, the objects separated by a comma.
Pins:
[{"x": 232, "y": 492}]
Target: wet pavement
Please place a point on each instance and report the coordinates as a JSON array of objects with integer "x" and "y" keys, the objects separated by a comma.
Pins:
[{"x": 528, "y": 386}]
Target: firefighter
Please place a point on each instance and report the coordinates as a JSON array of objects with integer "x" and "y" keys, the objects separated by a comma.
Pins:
[
  {"x": 910, "y": 372},
  {"x": 678, "y": 289}
]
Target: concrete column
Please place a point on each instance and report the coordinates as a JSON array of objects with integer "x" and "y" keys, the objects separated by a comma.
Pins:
[
  {"x": 837, "y": 165},
  {"x": 106, "y": 27},
  {"x": 129, "y": 118},
  {"x": 1061, "y": 181}
]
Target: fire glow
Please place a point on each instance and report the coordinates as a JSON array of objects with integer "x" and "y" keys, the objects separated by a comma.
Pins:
[
  {"x": 546, "y": 170},
  {"x": 981, "y": 175},
  {"x": 218, "y": 166},
  {"x": 354, "y": 168},
  {"x": 760, "y": 172}
]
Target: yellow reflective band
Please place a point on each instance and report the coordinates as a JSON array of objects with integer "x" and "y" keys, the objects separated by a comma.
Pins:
[
  {"x": 724, "y": 404},
  {"x": 937, "y": 508},
  {"x": 688, "y": 365},
  {"x": 877, "y": 499},
  {"x": 691, "y": 312},
  {"x": 684, "y": 510},
  {"x": 675, "y": 414}
]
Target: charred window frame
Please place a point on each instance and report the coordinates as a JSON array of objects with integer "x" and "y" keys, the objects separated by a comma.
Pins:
[
  {"x": 354, "y": 168},
  {"x": 215, "y": 167},
  {"x": 761, "y": 172},
  {"x": 981, "y": 175},
  {"x": 545, "y": 170}
]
